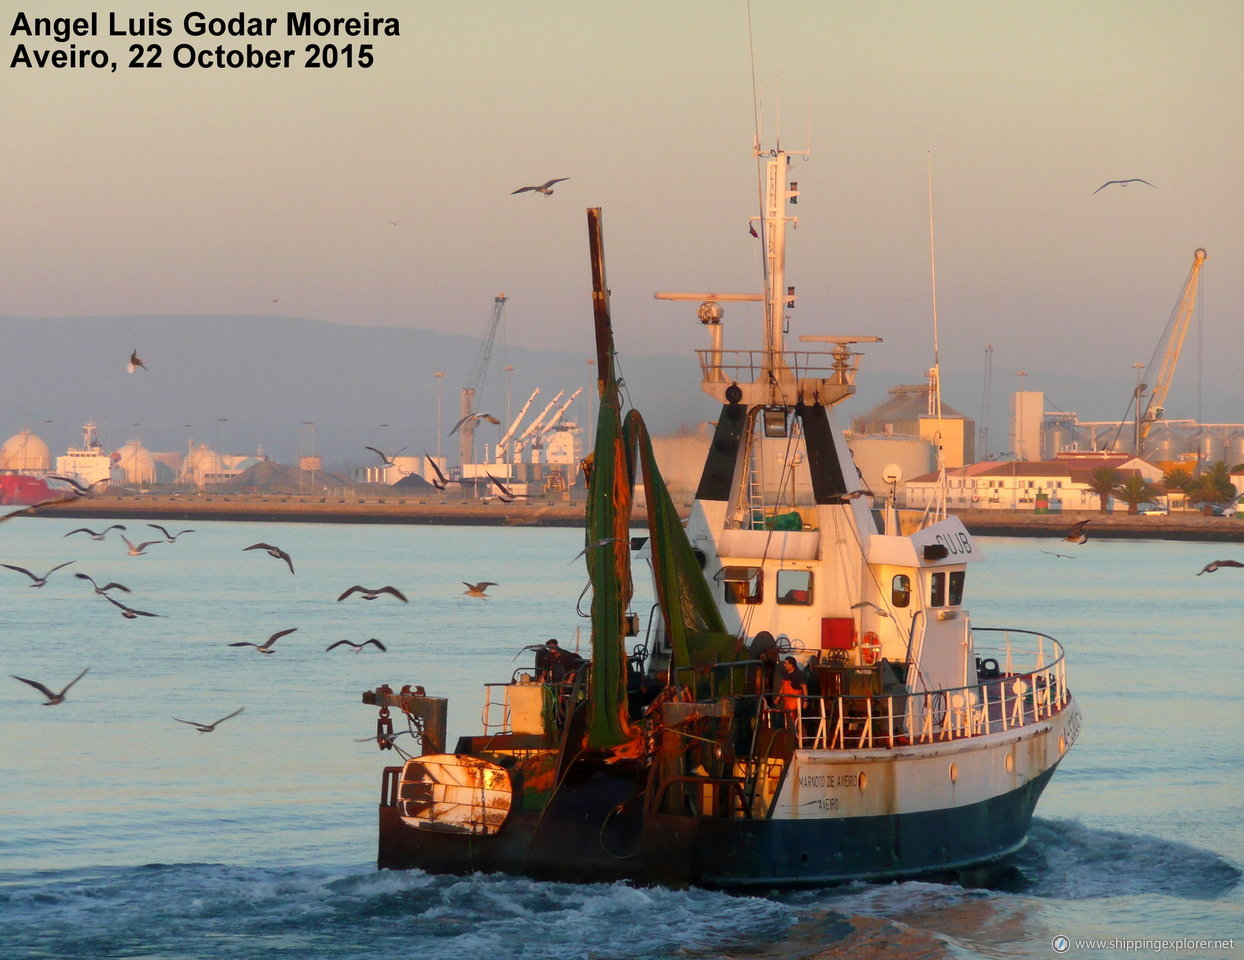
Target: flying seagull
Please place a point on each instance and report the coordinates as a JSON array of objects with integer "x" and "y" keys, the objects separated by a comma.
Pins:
[
  {"x": 370, "y": 594},
  {"x": 37, "y": 581},
  {"x": 545, "y": 188},
  {"x": 210, "y": 727},
  {"x": 128, "y": 612},
  {"x": 477, "y": 589},
  {"x": 30, "y": 510},
  {"x": 388, "y": 460},
  {"x": 1076, "y": 534},
  {"x": 79, "y": 489},
  {"x": 266, "y": 646},
  {"x": 1124, "y": 183},
  {"x": 102, "y": 591},
  {"x": 441, "y": 481},
  {"x": 358, "y": 646},
  {"x": 169, "y": 536},
  {"x": 135, "y": 362},
  {"x": 504, "y": 494},
  {"x": 477, "y": 417},
  {"x": 272, "y": 552},
  {"x": 1211, "y": 567},
  {"x": 52, "y": 698},
  {"x": 598, "y": 543},
  {"x": 137, "y": 549},
  {"x": 1065, "y": 556},
  {"x": 96, "y": 536}
]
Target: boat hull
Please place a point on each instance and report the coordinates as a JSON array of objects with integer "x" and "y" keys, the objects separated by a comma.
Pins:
[{"x": 588, "y": 847}]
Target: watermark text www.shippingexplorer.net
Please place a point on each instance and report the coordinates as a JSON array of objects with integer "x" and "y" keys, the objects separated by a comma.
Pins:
[{"x": 1062, "y": 944}]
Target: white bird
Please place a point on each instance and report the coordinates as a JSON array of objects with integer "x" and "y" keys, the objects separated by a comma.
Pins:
[
  {"x": 1124, "y": 183},
  {"x": 388, "y": 460},
  {"x": 79, "y": 489},
  {"x": 93, "y": 535},
  {"x": 358, "y": 646},
  {"x": 477, "y": 589},
  {"x": 128, "y": 612},
  {"x": 272, "y": 552},
  {"x": 266, "y": 646},
  {"x": 504, "y": 494},
  {"x": 135, "y": 362},
  {"x": 52, "y": 698},
  {"x": 477, "y": 417},
  {"x": 210, "y": 727},
  {"x": 1076, "y": 533},
  {"x": 1211, "y": 567},
  {"x": 102, "y": 591},
  {"x": 37, "y": 581},
  {"x": 441, "y": 481},
  {"x": 169, "y": 536},
  {"x": 137, "y": 549},
  {"x": 544, "y": 188},
  {"x": 370, "y": 594}
]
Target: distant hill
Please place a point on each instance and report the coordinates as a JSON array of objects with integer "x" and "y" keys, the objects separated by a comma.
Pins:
[{"x": 288, "y": 385}]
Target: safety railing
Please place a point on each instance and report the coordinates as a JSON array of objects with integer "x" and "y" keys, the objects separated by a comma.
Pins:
[
  {"x": 1030, "y": 686},
  {"x": 747, "y": 366}
]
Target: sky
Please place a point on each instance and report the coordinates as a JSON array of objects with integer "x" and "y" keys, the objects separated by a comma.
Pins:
[{"x": 383, "y": 196}]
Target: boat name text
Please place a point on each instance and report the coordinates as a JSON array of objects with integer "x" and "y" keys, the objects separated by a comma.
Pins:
[
  {"x": 200, "y": 27},
  {"x": 956, "y": 544}
]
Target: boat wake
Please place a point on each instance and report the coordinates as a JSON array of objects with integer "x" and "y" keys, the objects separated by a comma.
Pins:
[{"x": 191, "y": 910}]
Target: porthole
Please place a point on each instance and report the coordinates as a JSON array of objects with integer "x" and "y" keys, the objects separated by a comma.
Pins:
[
  {"x": 1010, "y": 763},
  {"x": 863, "y": 780},
  {"x": 1062, "y": 744},
  {"x": 954, "y": 773}
]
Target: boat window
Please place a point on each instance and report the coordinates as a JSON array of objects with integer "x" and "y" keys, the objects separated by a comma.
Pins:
[
  {"x": 956, "y": 587},
  {"x": 900, "y": 590},
  {"x": 742, "y": 584},
  {"x": 794, "y": 586},
  {"x": 937, "y": 589}
]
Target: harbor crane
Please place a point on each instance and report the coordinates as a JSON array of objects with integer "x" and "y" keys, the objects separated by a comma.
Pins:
[
  {"x": 535, "y": 425},
  {"x": 1169, "y": 346},
  {"x": 503, "y": 445},
  {"x": 470, "y": 395},
  {"x": 538, "y": 442}
]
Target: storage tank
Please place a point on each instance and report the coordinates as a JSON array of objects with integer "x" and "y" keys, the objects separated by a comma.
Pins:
[
  {"x": 1163, "y": 443},
  {"x": 201, "y": 462},
  {"x": 137, "y": 462},
  {"x": 913, "y": 455},
  {"x": 1234, "y": 447},
  {"x": 1211, "y": 446},
  {"x": 25, "y": 453}
]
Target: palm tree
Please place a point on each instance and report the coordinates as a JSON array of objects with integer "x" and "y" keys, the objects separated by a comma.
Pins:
[
  {"x": 1177, "y": 478},
  {"x": 1135, "y": 490},
  {"x": 1104, "y": 483}
]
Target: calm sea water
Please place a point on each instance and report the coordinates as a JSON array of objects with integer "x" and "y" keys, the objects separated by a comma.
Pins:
[{"x": 127, "y": 834}]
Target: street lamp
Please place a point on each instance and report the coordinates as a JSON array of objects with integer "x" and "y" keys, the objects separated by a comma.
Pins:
[
  {"x": 1140, "y": 390},
  {"x": 440, "y": 384}
]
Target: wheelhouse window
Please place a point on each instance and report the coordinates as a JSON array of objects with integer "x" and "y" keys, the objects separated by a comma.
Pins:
[
  {"x": 741, "y": 584},
  {"x": 956, "y": 587},
  {"x": 900, "y": 590},
  {"x": 794, "y": 587},
  {"x": 937, "y": 589}
]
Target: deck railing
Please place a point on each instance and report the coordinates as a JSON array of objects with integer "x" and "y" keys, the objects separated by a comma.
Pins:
[
  {"x": 1030, "y": 686},
  {"x": 748, "y": 366}
]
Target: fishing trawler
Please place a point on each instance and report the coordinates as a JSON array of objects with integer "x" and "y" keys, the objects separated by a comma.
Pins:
[{"x": 810, "y": 702}]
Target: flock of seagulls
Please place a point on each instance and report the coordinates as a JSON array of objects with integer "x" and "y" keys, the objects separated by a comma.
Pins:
[{"x": 54, "y": 698}]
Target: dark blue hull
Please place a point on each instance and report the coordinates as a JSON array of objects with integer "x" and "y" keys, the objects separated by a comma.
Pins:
[{"x": 596, "y": 832}]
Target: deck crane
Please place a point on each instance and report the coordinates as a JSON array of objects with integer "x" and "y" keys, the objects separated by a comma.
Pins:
[
  {"x": 538, "y": 442},
  {"x": 502, "y": 449},
  {"x": 1169, "y": 346},
  {"x": 470, "y": 395},
  {"x": 535, "y": 425}
]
